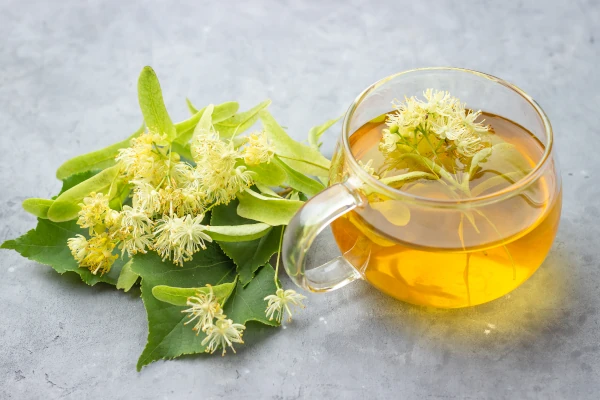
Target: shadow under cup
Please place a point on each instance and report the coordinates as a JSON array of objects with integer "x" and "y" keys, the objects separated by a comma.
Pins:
[{"x": 450, "y": 253}]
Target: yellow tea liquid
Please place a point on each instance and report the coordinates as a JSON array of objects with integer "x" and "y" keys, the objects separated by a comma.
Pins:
[{"x": 450, "y": 257}]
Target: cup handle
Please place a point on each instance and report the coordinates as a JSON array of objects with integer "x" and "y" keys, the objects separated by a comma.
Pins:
[{"x": 309, "y": 221}]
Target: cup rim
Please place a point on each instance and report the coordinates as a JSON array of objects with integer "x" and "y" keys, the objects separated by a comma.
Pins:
[{"x": 508, "y": 191}]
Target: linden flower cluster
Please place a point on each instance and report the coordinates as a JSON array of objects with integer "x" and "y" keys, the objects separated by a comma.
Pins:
[
  {"x": 220, "y": 331},
  {"x": 169, "y": 198},
  {"x": 441, "y": 120}
]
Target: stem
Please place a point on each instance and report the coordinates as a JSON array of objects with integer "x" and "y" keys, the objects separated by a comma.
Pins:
[
  {"x": 438, "y": 170},
  {"x": 278, "y": 257}
]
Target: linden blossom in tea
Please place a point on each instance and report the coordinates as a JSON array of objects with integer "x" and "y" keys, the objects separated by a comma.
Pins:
[{"x": 436, "y": 148}]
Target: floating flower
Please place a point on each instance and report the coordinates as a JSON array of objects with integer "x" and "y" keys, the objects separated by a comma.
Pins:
[
  {"x": 223, "y": 333},
  {"x": 280, "y": 301}
]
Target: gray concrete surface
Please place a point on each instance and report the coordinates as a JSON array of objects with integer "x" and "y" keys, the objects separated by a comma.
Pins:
[{"x": 67, "y": 85}]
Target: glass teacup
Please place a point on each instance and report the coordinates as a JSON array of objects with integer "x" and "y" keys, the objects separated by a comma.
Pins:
[{"x": 421, "y": 248}]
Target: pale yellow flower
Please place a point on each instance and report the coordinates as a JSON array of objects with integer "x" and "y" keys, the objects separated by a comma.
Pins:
[
  {"x": 135, "y": 221},
  {"x": 79, "y": 247},
  {"x": 388, "y": 142},
  {"x": 146, "y": 198},
  {"x": 258, "y": 150},
  {"x": 204, "y": 308},
  {"x": 93, "y": 210},
  {"x": 178, "y": 238},
  {"x": 468, "y": 144},
  {"x": 280, "y": 301},
  {"x": 98, "y": 252},
  {"x": 368, "y": 168},
  {"x": 164, "y": 239},
  {"x": 223, "y": 333},
  {"x": 190, "y": 234},
  {"x": 147, "y": 158},
  {"x": 218, "y": 169}
]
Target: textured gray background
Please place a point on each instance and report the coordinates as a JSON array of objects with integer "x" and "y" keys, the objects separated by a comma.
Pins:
[{"x": 67, "y": 85}]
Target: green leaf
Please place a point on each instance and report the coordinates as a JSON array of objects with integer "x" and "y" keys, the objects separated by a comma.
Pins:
[
  {"x": 153, "y": 106},
  {"x": 47, "y": 244},
  {"x": 96, "y": 160},
  {"x": 300, "y": 157},
  {"x": 249, "y": 255},
  {"x": 37, "y": 207},
  {"x": 314, "y": 135},
  {"x": 409, "y": 176},
  {"x": 247, "y": 303},
  {"x": 269, "y": 174},
  {"x": 66, "y": 205},
  {"x": 167, "y": 336},
  {"x": 127, "y": 278},
  {"x": 178, "y": 296},
  {"x": 240, "y": 122},
  {"x": 238, "y": 233},
  {"x": 265, "y": 209},
  {"x": 220, "y": 113},
  {"x": 299, "y": 181}
]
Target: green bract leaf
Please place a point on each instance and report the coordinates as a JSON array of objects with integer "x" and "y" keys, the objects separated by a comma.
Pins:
[
  {"x": 167, "y": 336},
  {"x": 206, "y": 121},
  {"x": 127, "y": 278},
  {"x": 299, "y": 156},
  {"x": 247, "y": 303},
  {"x": 96, "y": 160},
  {"x": 299, "y": 181},
  {"x": 265, "y": 209},
  {"x": 249, "y": 255},
  {"x": 75, "y": 180},
  {"x": 220, "y": 113},
  {"x": 47, "y": 244},
  {"x": 66, "y": 205},
  {"x": 119, "y": 192},
  {"x": 238, "y": 233},
  {"x": 178, "y": 296},
  {"x": 314, "y": 135},
  {"x": 240, "y": 122},
  {"x": 394, "y": 211},
  {"x": 478, "y": 159},
  {"x": 37, "y": 207},
  {"x": 266, "y": 189},
  {"x": 504, "y": 179},
  {"x": 153, "y": 106},
  {"x": 390, "y": 181},
  {"x": 269, "y": 174}
]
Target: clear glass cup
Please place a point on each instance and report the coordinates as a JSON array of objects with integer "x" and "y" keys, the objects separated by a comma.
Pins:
[{"x": 426, "y": 261}]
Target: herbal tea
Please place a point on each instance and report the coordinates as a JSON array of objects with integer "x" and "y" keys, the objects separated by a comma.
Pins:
[{"x": 448, "y": 257}]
